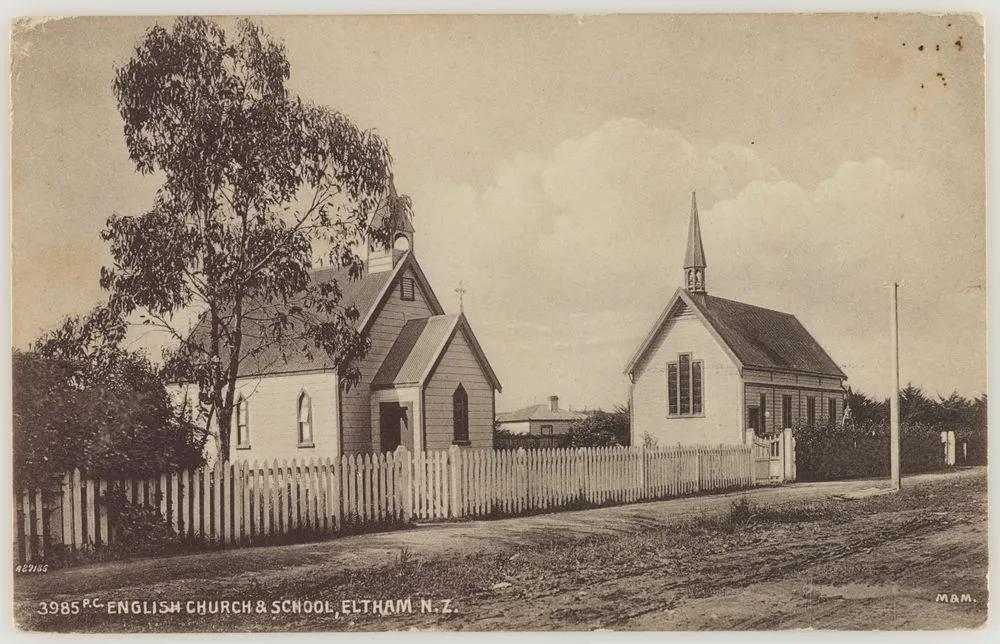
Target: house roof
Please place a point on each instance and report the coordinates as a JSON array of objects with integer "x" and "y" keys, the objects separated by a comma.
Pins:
[
  {"x": 540, "y": 412},
  {"x": 365, "y": 294},
  {"x": 757, "y": 337},
  {"x": 419, "y": 347}
]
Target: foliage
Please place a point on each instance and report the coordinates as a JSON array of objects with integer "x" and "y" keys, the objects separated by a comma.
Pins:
[
  {"x": 139, "y": 529},
  {"x": 80, "y": 400},
  {"x": 966, "y": 417},
  {"x": 48, "y": 433},
  {"x": 499, "y": 431},
  {"x": 955, "y": 413},
  {"x": 603, "y": 429},
  {"x": 254, "y": 179},
  {"x": 854, "y": 450}
]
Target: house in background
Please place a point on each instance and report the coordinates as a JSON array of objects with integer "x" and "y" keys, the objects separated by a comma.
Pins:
[
  {"x": 425, "y": 384},
  {"x": 713, "y": 370},
  {"x": 544, "y": 419}
]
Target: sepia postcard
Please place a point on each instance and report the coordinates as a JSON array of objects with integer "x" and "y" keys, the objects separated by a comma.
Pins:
[{"x": 669, "y": 322}]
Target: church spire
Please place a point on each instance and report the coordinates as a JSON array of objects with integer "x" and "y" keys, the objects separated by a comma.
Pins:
[{"x": 694, "y": 260}]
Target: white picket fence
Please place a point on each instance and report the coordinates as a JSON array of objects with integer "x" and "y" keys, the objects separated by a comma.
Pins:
[{"x": 244, "y": 503}]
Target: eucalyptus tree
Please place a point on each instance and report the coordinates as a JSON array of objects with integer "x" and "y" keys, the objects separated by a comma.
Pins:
[{"x": 254, "y": 179}]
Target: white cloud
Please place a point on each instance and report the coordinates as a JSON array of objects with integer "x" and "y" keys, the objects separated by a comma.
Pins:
[{"x": 569, "y": 257}]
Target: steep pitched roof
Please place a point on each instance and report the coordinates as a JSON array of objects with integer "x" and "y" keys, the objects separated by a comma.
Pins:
[
  {"x": 420, "y": 345},
  {"x": 757, "y": 337},
  {"x": 540, "y": 412},
  {"x": 366, "y": 294}
]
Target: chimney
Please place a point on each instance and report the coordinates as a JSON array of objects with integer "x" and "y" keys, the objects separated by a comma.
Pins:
[{"x": 553, "y": 403}]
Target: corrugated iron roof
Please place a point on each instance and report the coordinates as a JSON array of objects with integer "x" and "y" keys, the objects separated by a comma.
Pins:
[
  {"x": 362, "y": 293},
  {"x": 419, "y": 346},
  {"x": 540, "y": 412},
  {"x": 765, "y": 338},
  {"x": 416, "y": 348}
]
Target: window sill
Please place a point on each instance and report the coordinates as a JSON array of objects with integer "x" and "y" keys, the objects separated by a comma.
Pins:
[
  {"x": 306, "y": 445},
  {"x": 462, "y": 443},
  {"x": 246, "y": 446},
  {"x": 683, "y": 416}
]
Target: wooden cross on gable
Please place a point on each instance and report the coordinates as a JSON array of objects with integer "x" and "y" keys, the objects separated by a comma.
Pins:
[{"x": 461, "y": 297}]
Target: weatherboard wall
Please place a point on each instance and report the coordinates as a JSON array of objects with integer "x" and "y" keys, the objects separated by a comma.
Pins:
[
  {"x": 273, "y": 417},
  {"x": 534, "y": 427},
  {"x": 356, "y": 415},
  {"x": 458, "y": 366},
  {"x": 720, "y": 421}
]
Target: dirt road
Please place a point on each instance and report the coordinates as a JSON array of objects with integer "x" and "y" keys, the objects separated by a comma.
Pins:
[{"x": 794, "y": 557}]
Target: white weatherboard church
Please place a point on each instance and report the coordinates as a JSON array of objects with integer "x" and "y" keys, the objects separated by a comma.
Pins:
[
  {"x": 713, "y": 370},
  {"x": 425, "y": 384}
]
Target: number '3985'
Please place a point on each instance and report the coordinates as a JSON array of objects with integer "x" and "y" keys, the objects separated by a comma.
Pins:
[{"x": 59, "y": 608}]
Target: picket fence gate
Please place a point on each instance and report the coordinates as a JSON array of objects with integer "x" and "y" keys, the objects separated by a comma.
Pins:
[{"x": 242, "y": 503}]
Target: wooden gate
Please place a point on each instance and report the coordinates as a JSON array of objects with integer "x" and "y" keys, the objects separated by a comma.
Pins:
[{"x": 768, "y": 464}]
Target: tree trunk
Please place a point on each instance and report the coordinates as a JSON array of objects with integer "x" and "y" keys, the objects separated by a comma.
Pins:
[{"x": 225, "y": 428}]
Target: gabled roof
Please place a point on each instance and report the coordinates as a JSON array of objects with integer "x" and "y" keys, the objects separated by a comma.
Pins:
[
  {"x": 754, "y": 336},
  {"x": 540, "y": 412},
  {"x": 366, "y": 294},
  {"x": 419, "y": 347}
]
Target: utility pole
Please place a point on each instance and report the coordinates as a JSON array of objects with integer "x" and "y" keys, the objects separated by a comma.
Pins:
[{"x": 894, "y": 401}]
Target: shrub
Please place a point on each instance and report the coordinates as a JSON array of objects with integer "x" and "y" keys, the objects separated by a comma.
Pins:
[
  {"x": 139, "y": 529},
  {"x": 824, "y": 453},
  {"x": 602, "y": 429}
]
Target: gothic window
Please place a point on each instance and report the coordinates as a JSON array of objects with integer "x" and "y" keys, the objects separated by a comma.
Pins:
[
  {"x": 305, "y": 420},
  {"x": 460, "y": 416},
  {"x": 242, "y": 422},
  {"x": 685, "y": 386},
  {"x": 811, "y": 410},
  {"x": 833, "y": 410},
  {"x": 786, "y": 411}
]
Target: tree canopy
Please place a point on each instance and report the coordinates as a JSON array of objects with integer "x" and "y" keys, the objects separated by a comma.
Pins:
[
  {"x": 603, "y": 429},
  {"x": 255, "y": 181},
  {"x": 954, "y": 412},
  {"x": 82, "y": 401}
]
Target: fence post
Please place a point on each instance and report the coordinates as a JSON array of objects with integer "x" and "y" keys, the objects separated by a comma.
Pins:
[
  {"x": 697, "y": 468},
  {"x": 454, "y": 469},
  {"x": 644, "y": 490},
  {"x": 67, "y": 511},
  {"x": 406, "y": 485}
]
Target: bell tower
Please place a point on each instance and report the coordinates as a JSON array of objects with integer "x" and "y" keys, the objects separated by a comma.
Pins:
[
  {"x": 694, "y": 259},
  {"x": 393, "y": 213}
]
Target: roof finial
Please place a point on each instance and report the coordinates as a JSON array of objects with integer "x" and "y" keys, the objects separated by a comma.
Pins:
[
  {"x": 461, "y": 297},
  {"x": 694, "y": 259}
]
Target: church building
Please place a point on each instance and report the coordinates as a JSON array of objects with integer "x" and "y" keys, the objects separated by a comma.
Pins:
[
  {"x": 713, "y": 370},
  {"x": 425, "y": 384}
]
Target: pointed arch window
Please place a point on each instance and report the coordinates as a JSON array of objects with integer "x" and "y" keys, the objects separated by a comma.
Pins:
[
  {"x": 305, "y": 420},
  {"x": 460, "y": 416},
  {"x": 242, "y": 423}
]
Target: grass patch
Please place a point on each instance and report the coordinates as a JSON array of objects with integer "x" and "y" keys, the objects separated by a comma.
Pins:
[{"x": 690, "y": 557}]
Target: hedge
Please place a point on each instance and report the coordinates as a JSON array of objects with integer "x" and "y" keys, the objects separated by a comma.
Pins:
[{"x": 827, "y": 453}]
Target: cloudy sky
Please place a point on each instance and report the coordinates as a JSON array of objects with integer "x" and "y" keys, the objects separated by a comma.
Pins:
[{"x": 551, "y": 161}]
